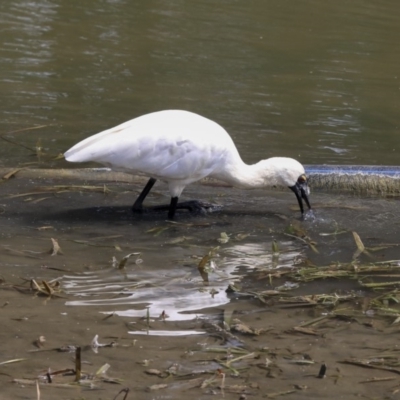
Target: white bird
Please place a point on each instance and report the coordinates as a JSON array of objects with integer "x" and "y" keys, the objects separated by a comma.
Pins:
[{"x": 180, "y": 147}]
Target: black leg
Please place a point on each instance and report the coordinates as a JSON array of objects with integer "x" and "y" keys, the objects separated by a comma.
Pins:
[
  {"x": 192, "y": 206},
  {"x": 137, "y": 206},
  {"x": 172, "y": 207}
]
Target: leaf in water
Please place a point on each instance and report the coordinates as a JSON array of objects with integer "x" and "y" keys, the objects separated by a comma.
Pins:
[
  {"x": 275, "y": 247},
  {"x": 157, "y": 230},
  {"x": 47, "y": 288},
  {"x": 56, "y": 249},
  {"x": 241, "y": 236},
  {"x": 189, "y": 225},
  {"x": 11, "y": 173},
  {"x": 295, "y": 228},
  {"x": 158, "y": 386},
  {"x": 357, "y": 254},
  {"x": 306, "y": 331},
  {"x": 396, "y": 321},
  {"x": 305, "y": 240},
  {"x": 13, "y": 196},
  {"x": 16, "y": 143},
  {"x": 202, "y": 267},
  {"x": 107, "y": 237},
  {"x": 37, "y": 390},
  {"x": 103, "y": 370},
  {"x": 108, "y": 316},
  {"x": 40, "y": 199},
  {"x": 313, "y": 248},
  {"x": 203, "y": 263},
  {"x": 39, "y": 342},
  {"x": 359, "y": 243},
  {"x": 12, "y": 361},
  {"x": 179, "y": 239},
  {"x": 35, "y": 285},
  {"x": 155, "y": 372},
  {"x": 332, "y": 233},
  {"x": 228, "y": 314},
  {"x": 378, "y": 248},
  {"x": 31, "y": 128},
  {"x": 76, "y": 188},
  {"x": 244, "y": 329},
  {"x": 224, "y": 238},
  {"x": 45, "y": 228},
  {"x": 122, "y": 263}
]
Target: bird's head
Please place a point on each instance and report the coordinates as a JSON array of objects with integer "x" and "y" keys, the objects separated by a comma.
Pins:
[
  {"x": 301, "y": 190},
  {"x": 290, "y": 173}
]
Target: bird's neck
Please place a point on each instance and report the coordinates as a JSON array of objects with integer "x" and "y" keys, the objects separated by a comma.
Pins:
[{"x": 246, "y": 176}]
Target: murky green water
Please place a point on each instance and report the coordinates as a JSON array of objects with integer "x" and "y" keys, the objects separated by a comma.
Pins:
[{"x": 313, "y": 80}]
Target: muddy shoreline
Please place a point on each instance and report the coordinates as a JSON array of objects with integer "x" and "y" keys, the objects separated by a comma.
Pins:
[{"x": 280, "y": 356}]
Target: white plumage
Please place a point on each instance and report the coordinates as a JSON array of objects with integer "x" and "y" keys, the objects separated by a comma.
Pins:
[{"x": 181, "y": 147}]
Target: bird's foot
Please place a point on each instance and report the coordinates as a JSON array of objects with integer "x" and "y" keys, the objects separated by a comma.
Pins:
[
  {"x": 193, "y": 206},
  {"x": 199, "y": 207}
]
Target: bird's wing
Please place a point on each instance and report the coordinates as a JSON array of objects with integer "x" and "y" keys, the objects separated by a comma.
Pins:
[{"x": 164, "y": 145}]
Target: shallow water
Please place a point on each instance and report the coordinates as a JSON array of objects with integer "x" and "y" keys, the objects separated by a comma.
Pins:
[
  {"x": 315, "y": 81},
  {"x": 96, "y": 230}
]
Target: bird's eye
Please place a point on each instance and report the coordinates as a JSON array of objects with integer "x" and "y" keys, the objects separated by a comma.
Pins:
[{"x": 302, "y": 179}]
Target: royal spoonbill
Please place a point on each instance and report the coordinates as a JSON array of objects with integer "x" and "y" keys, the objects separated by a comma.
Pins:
[{"x": 180, "y": 147}]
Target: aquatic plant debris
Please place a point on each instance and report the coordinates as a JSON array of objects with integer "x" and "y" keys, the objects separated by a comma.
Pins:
[
  {"x": 202, "y": 266},
  {"x": 224, "y": 238},
  {"x": 56, "y": 249},
  {"x": 15, "y": 360},
  {"x": 11, "y": 173},
  {"x": 375, "y": 363},
  {"x": 58, "y": 189},
  {"x": 296, "y": 230},
  {"x": 6, "y": 139},
  {"x": 280, "y": 316},
  {"x": 49, "y": 289},
  {"x": 95, "y": 345},
  {"x": 158, "y": 230},
  {"x": 123, "y": 262}
]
